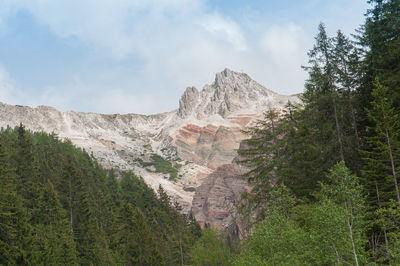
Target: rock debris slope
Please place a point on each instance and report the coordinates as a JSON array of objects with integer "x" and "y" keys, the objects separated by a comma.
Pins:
[{"x": 196, "y": 142}]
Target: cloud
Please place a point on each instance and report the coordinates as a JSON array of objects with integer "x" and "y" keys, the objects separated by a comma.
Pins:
[
  {"x": 65, "y": 98},
  {"x": 119, "y": 101},
  {"x": 152, "y": 49},
  {"x": 7, "y": 87},
  {"x": 111, "y": 26},
  {"x": 282, "y": 42},
  {"x": 11, "y": 93},
  {"x": 224, "y": 29},
  {"x": 285, "y": 47}
]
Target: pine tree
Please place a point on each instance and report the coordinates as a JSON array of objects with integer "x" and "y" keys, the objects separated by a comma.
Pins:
[
  {"x": 29, "y": 183},
  {"x": 383, "y": 157},
  {"x": 300, "y": 166},
  {"x": 347, "y": 61},
  {"x": 381, "y": 41},
  {"x": 261, "y": 154},
  {"x": 136, "y": 244},
  {"x": 323, "y": 100},
  {"x": 53, "y": 242},
  {"x": 15, "y": 230}
]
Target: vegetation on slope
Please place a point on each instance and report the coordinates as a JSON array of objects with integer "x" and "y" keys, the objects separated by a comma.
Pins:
[{"x": 161, "y": 165}]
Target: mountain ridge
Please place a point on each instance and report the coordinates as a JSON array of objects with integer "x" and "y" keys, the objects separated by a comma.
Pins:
[{"x": 197, "y": 138}]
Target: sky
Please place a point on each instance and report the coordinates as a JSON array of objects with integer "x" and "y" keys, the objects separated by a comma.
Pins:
[{"x": 138, "y": 56}]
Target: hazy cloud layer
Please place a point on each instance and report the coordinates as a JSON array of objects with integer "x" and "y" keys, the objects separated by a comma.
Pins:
[
  {"x": 6, "y": 86},
  {"x": 155, "y": 49}
]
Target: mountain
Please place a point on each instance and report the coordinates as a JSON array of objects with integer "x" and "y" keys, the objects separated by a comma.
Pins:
[{"x": 189, "y": 151}]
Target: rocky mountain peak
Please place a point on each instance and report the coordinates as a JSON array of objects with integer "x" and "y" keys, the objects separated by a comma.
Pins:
[
  {"x": 231, "y": 92},
  {"x": 188, "y": 101},
  {"x": 228, "y": 76}
]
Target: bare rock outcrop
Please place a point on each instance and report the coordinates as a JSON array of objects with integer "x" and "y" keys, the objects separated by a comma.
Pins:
[
  {"x": 213, "y": 202},
  {"x": 188, "y": 102}
]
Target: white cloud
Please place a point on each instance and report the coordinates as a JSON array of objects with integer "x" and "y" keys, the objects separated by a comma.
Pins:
[
  {"x": 225, "y": 30},
  {"x": 69, "y": 96},
  {"x": 119, "y": 101},
  {"x": 282, "y": 42},
  {"x": 285, "y": 47},
  {"x": 175, "y": 43},
  {"x": 7, "y": 87},
  {"x": 11, "y": 93},
  {"x": 113, "y": 26}
]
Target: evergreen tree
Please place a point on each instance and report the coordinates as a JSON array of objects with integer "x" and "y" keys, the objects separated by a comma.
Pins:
[
  {"x": 347, "y": 61},
  {"x": 262, "y": 155},
  {"x": 136, "y": 245},
  {"x": 28, "y": 177},
  {"x": 323, "y": 99},
  {"x": 388, "y": 218},
  {"x": 380, "y": 171},
  {"x": 53, "y": 242},
  {"x": 383, "y": 157},
  {"x": 14, "y": 227},
  {"x": 381, "y": 41}
]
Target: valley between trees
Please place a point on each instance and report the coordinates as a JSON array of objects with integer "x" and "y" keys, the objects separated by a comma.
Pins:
[{"x": 324, "y": 174}]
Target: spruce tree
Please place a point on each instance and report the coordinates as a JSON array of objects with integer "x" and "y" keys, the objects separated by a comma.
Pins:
[
  {"x": 381, "y": 41},
  {"x": 261, "y": 154},
  {"x": 53, "y": 242},
  {"x": 29, "y": 182},
  {"x": 323, "y": 99},
  {"x": 136, "y": 245},
  {"x": 383, "y": 157},
  {"x": 15, "y": 231}
]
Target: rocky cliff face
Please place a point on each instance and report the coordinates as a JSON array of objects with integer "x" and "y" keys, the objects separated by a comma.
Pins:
[
  {"x": 200, "y": 140},
  {"x": 213, "y": 202}
]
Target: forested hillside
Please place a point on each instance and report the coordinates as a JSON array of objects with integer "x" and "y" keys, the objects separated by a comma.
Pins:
[{"x": 58, "y": 206}]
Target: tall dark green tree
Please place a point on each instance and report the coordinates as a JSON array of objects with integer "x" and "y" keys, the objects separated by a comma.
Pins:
[
  {"x": 15, "y": 231},
  {"x": 261, "y": 154},
  {"x": 383, "y": 157},
  {"x": 324, "y": 99},
  {"x": 53, "y": 242},
  {"x": 381, "y": 40},
  {"x": 29, "y": 182},
  {"x": 136, "y": 244}
]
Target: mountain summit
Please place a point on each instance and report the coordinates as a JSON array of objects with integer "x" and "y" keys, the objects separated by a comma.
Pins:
[
  {"x": 230, "y": 92},
  {"x": 179, "y": 150}
]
